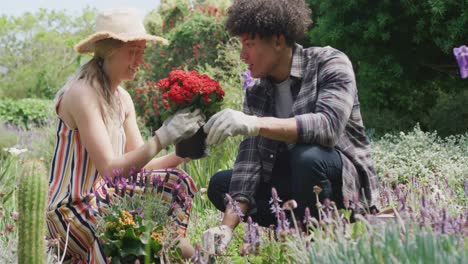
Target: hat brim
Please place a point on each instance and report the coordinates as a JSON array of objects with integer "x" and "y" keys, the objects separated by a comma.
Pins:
[{"x": 87, "y": 45}]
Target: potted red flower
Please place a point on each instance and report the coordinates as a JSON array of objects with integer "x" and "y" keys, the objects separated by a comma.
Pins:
[{"x": 190, "y": 89}]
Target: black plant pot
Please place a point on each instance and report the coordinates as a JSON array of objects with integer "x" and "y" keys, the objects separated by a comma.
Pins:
[{"x": 193, "y": 147}]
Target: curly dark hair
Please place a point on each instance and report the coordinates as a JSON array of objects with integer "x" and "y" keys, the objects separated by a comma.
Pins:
[{"x": 266, "y": 18}]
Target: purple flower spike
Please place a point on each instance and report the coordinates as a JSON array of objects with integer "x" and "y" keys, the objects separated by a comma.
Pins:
[
  {"x": 248, "y": 79},
  {"x": 461, "y": 53},
  {"x": 275, "y": 203},
  {"x": 252, "y": 237},
  {"x": 235, "y": 206},
  {"x": 107, "y": 179},
  {"x": 117, "y": 173},
  {"x": 283, "y": 223}
]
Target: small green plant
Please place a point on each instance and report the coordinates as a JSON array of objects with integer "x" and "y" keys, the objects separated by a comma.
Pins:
[{"x": 32, "y": 195}]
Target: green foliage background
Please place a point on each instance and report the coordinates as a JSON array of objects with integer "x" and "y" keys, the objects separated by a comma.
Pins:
[
  {"x": 36, "y": 49},
  {"x": 402, "y": 54}
]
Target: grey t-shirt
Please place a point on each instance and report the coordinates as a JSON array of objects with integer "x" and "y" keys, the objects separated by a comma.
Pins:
[{"x": 283, "y": 98}]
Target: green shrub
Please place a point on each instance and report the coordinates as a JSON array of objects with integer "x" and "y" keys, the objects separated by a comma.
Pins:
[
  {"x": 449, "y": 116},
  {"x": 422, "y": 155},
  {"x": 199, "y": 42},
  {"x": 193, "y": 38},
  {"x": 401, "y": 52},
  {"x": 26, "y": 113}
]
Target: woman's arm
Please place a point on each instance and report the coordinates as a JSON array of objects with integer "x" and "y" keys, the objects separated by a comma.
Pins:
[
  {"x": 134, "y": 139},
  {"x": 83, "y": 106},
  {"x": 167, "y": 161}
]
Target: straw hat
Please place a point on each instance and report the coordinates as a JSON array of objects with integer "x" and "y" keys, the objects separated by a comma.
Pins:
[{"x": 119, "y": 23}]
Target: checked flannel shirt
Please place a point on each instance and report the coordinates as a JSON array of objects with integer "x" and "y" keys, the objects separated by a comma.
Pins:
[{"x": 327, "y": 112}]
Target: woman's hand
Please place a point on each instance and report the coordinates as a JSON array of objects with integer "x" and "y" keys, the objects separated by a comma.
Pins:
[{"x": 182, "y": 124}]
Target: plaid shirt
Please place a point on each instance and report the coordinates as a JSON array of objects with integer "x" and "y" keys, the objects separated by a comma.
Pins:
[{"x": 326, "y": 109}]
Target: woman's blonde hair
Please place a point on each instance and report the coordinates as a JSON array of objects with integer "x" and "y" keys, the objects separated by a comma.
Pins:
[{"x": 93, "y": 74}]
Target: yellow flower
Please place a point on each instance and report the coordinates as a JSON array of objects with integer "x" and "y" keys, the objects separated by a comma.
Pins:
[
  {"x": 158, "y": 237},
  {"x": 127, "y": 219},
  {"x": 158, "y": 234}
]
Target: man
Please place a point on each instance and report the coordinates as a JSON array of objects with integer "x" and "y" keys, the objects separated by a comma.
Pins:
[{"x": 301, "y": 121}]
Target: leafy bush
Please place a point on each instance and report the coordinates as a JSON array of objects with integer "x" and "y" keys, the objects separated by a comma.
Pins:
[
  {"x": 449, "y": 115},
  {"x": 402, "y": 54},
  {"x": 26, "y": 113},
  {"x": 194, "y": 38},
  {"x": 199, "y": 42},
  {"x": 424, "y": 156}
]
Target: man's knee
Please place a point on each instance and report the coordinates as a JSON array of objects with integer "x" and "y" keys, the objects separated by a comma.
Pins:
[
  {"x": 218, "y": 186},
  {"x": 309, "y": 156},
  {"x": 315, "y": 165}
]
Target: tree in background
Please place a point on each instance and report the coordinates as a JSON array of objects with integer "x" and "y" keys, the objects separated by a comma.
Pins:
[
  {"x": 402, "y": 54},
  {"x": 36, "y": 51}
]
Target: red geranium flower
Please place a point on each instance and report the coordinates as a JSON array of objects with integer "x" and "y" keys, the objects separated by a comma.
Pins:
[{"x": 182, "y": 89}]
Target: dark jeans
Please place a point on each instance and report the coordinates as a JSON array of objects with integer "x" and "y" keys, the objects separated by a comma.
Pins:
[{"x": 295, "y": 173}]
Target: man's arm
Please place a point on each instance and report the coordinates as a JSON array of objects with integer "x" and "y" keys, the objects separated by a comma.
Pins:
[
  {"x": 245, "y": 178},
  {"x": 281, "y": 129},
  {"x": 336, "y": 93}
]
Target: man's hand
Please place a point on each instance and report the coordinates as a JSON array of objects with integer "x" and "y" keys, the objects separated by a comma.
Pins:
[
  {"x": 216, "y": 239},
  {"x": 182, "y": 124},
  {"x": 230, "y": 123}
]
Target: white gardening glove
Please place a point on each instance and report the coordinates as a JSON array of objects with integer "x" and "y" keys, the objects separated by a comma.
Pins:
[
  {"x": 182, "y": 124},
  {"x": 216, "y": 239},
  {"x": 230, "y": 123}
]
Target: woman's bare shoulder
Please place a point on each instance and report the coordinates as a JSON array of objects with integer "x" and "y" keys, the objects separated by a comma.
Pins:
[
  {"x": 126, "y": 99},
  {"x": 79, "y": 97},
  {"x": 125, "y": 94}
]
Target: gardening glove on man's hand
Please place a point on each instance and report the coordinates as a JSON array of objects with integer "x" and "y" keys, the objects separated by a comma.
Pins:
[
  {"x": 230, "y": 123},
  {"x": 181, "y": 125},
  {"x": 216, "y": 239}
]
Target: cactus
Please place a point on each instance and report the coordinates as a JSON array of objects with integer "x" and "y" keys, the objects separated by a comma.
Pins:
[{"x": 32, "y": 195}]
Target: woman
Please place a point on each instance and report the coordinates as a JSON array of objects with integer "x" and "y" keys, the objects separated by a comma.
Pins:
[{"x": 97, "y": 133}]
